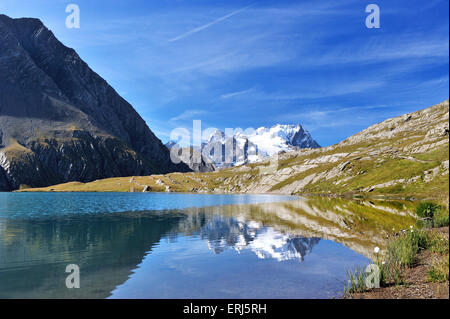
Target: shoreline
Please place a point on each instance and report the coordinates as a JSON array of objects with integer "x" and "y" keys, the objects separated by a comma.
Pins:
[
  {"x": 416, "y": 282},
  {"x": 354, "y": 196}
]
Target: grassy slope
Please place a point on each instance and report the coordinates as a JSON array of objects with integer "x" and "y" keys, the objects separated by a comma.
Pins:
[{"x": 389, "y": 151}]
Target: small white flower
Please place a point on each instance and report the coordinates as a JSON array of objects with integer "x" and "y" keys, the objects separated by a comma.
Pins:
[
  {"x": 393, "y": 229},
  {"x": 383, "y": 262},
  {"x": 376, "y": 250},
  {"x": 410, "y": 227},
  {"x": 412, "y": 231}
]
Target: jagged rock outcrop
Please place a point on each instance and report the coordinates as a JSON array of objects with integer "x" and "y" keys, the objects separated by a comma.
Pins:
[
  {"x": 60, "y": 121},
  {"x": 193, "y": 159}
]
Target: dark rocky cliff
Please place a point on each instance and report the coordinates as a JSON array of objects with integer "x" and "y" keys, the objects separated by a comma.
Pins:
[
  {"x": 60, "y": 121},
  {"x": 192, "y": 158}
]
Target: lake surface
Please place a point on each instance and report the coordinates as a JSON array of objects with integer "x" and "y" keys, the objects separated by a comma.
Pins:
[{"x": 166, "y": 245}]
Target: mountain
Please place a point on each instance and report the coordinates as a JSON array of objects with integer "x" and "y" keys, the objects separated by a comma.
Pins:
[
  {"x": 171, "y": 144},
  {"x": 404, "y": 156},
  {"x": 242, "y": 148},
  {"x": 191, "y": 157},
  {"x": 60, "y": 121},
  {"x": 408, "y": 155}
]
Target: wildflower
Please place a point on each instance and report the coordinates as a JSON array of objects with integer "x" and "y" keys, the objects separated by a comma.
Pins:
[
  {"x": 411, "y": 227},
  {"x": 376, "y": 250}
]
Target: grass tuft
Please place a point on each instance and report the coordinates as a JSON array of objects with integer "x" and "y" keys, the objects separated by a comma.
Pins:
[
  {"x": 356, "y": 281},
  {"x": 403, "y": 249},
  {"x": 401, "y": 252},
  {"x": 440, "y": 219},
  {"x": 438, "y": 244},
  {"x": 432, "y": 215},
  {"x": 439, "y": 271},
  {"x": 427, "y": 209}
]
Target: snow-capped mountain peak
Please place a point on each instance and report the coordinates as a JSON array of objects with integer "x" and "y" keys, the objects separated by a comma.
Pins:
[
  {"x": 280, "y": 137},
  {"x": 217, "y": 136},
  {"x": 250, "y": 147}
]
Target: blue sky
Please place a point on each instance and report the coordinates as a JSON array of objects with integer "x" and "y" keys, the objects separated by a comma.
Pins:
[{"x": 257, "y": 63}]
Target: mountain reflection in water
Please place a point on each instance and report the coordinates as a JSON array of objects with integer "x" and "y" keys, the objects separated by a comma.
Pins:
[
  {"x": 292, "y": 249},
  {"x": 222, "y": 233}
]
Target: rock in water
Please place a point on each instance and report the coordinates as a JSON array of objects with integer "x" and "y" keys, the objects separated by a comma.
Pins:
[{"x": 60, "y": 121}]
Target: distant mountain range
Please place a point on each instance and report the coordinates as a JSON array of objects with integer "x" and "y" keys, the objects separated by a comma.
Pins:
[
  {"x": 243, "y": 148},
  {"x": 406, "y": 155},
  {"x": 60, "y": 121}
]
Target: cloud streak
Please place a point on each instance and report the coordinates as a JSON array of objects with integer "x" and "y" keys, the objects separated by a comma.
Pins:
[
  {"x": 327, "y": 89},
  {"x": 187, "y": 115},
  {"x": 234, "y": 94},
  {"x": 207, "y": 25}
]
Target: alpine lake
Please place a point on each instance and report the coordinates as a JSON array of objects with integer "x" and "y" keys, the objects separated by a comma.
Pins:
[{"x": 171, "y": 245}]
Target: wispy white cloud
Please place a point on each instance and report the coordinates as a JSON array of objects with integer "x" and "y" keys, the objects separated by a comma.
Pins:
[
  {"x": 321, "y": 115},
  {"x": 327, "y": 89},
  {"x": 437, "y": 82},
  {"x": 386, "y": 48},
  {"x": 318, "y": 118},
  {"x": 207, "y": 25},
  {"x": 188, "y": 115},
  {"x": 234, "y": 94}
]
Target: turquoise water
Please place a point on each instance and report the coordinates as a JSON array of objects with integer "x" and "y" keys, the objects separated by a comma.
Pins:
[
  {"x": 50, "y": 204},
  {"x": 157, "y": 245}
]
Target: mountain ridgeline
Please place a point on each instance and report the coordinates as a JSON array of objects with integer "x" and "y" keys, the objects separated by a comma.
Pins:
[
  {"x": 244, "y": 148},
  {"x": 60, "y": 121},
  {"x": 227, "y": 150},
  {"x": 403, "y": 156}
]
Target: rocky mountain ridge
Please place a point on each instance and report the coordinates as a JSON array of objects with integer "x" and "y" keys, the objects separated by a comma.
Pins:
[
  {"x": 251, "y": 146},
  {"x": 405, "y": 156},
  {"x": 60, "y": 121},
  {"x": 191, "y": 157}
]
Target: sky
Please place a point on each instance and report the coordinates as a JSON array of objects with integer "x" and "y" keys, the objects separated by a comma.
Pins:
[{"x": 246, "y": 64}]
